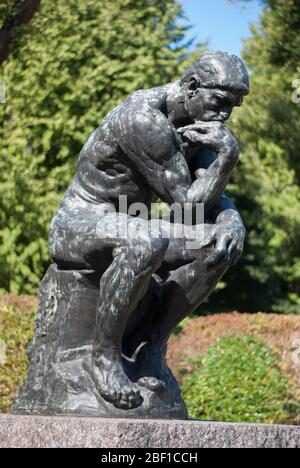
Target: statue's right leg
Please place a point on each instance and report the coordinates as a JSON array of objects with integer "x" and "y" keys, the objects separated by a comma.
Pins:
[{"x": 136, "y": 254}]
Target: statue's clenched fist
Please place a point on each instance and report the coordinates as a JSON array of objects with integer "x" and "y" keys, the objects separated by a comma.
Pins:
[{"x": 213, "y": 135}]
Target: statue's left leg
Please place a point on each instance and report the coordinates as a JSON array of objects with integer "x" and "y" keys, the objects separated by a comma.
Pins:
[{"x": 186, "y": 288}]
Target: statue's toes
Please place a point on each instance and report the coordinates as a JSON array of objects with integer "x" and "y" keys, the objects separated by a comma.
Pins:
[
  {"x": 152, "y": 383},
  {"x": 110, "y": 395},
  {"x": 130, "y": 399}
]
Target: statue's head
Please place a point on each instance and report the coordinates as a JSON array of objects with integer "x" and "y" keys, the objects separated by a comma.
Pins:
[{"x": 213, "y": 86}]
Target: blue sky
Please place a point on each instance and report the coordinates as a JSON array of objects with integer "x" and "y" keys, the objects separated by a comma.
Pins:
[{"x": 222, "y": 23}]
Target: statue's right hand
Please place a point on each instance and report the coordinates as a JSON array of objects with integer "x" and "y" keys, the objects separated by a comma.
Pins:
[{"x": 212, "y": 135}]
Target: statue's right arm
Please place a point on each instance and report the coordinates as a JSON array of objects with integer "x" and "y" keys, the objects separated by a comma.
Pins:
[{"x": 148, "y": 139}]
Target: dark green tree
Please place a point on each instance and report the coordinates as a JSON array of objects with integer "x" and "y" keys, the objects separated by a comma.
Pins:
[
  {"x": 13, "y": 15},
  {"x": 73, "y": 63},
  {"x": 266, "y": 184}
]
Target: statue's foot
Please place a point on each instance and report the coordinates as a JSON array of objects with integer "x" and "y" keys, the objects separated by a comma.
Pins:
[
  {"x": 106, "y": 371},
  {"x": 153, "y": 370},
  {"x": 152, "y": 383}
]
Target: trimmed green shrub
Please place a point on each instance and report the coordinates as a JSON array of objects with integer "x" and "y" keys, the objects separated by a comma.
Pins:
[{"x": 239, "y": 380}]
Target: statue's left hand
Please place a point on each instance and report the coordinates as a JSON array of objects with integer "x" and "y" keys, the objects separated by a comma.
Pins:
[{"x": 230, "y": 238}]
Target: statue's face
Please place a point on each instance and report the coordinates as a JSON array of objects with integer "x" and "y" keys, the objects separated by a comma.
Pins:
[{"x": 207, "y": 105}]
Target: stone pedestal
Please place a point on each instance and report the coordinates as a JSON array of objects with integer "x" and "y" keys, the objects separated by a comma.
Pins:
[
  {"x": 64, "y": 334},
  {"x": 68, "y": 432}
]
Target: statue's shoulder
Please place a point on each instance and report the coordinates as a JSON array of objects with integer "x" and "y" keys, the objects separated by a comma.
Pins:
[
  {"x": 142, "y": 109},
  {"x": 154, "y": 98}
]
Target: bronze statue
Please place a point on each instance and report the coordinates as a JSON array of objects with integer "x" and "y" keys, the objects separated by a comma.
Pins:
[{"x": 105, "y": 354}]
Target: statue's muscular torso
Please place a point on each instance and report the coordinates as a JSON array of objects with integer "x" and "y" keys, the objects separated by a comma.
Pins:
[
  {"x": 114, "y": 162},
  {"x": 135, "y": 152}
]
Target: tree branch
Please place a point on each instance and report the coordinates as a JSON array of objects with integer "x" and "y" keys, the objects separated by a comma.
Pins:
[{"x": 20, "y": 13}]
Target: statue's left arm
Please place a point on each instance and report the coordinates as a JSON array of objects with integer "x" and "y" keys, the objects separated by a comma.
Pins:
[
  {"x": 231, "y": 231},
  {"x": 222, "y": 152}
]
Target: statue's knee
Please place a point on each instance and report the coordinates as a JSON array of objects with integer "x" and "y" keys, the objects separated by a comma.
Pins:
[
  {"x": 159, "y": 249},
  {"x": 155, "y": 250},
  {"x": 147, "y": 252}
]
